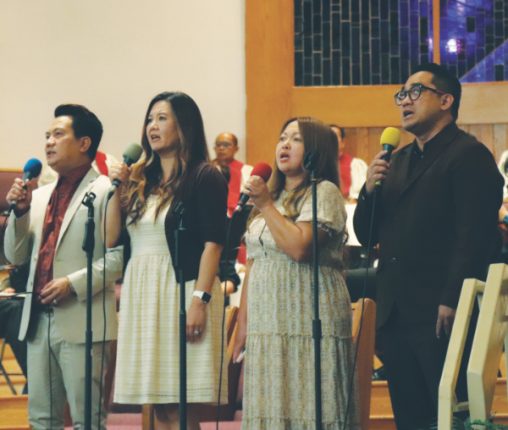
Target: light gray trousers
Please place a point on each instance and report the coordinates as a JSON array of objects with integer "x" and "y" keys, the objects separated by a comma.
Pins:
[{"x": 56, "y": 374}]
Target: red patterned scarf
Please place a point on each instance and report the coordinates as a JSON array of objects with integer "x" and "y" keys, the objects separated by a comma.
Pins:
[
  {"x": 235, "y": 183},
  {"x": 345, "y": 173}
]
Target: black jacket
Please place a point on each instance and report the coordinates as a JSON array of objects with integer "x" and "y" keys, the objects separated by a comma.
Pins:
[
  {"x": 203, "y": 197},
  {"x": 435, "y": 226}
]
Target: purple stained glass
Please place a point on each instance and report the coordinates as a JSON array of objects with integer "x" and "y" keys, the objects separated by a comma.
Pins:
[{"x": 473, "y": 41}]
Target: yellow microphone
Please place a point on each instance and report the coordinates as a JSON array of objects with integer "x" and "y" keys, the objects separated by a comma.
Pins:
[{"x": 390, "y": 139}]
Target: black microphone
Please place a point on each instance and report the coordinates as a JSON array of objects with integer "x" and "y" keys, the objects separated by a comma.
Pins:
[
  {"x": 130, "y": 156},
  {"x": 31, "y": 170},
  {"x": 262, "y": 170}
]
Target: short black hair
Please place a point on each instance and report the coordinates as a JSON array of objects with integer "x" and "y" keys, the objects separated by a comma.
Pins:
[
  {"x": 341, "y": 130},
  {"x": 444, "y": 81},
  {"x": 84, "y": 123}
]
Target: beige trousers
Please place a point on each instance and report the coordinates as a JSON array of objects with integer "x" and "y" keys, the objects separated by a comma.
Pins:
[{"x": 56, "y": 374}]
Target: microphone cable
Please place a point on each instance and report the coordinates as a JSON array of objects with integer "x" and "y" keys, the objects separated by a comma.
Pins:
[
  {"x": 104, "y": 316},
  {"x": 362, "y": 298},
  {"x": 223, "y": 324},
  {"x": 50, "y": 375}
]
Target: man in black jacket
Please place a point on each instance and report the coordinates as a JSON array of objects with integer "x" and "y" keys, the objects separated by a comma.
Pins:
[{"x": 436, "y": 223}]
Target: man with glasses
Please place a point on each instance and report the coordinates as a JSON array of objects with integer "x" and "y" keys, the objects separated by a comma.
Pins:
[
  {"x": 236, "y": 172},
  {"x": 435, "y": 220}
]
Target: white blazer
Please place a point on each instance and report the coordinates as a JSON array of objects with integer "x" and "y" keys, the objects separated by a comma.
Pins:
[{"x": 22, "y": 244}]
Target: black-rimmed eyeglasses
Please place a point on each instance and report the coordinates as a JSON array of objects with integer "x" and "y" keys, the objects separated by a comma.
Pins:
[{"x": 414, "y": 93}]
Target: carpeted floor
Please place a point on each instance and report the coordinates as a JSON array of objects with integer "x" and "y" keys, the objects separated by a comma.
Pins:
[{"x": 122, "y": 422}]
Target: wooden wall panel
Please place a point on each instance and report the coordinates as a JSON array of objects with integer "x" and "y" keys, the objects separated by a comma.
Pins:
[
  {"x": 500, "y": 139},
  {"x": 363, "y": 142}
]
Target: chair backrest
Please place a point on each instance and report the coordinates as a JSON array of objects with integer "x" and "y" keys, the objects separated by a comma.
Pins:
[
  {"x": 6, "y": 179},
  {"x": 235, "y": 382},
  {"x": 231, "y": 316},
  {"x": 364, "y": 335},
  {"x": 3, "y": 370}
]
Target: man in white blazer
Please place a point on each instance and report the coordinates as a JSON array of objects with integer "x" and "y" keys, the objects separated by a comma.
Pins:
[{"x": 46, "y": 228}]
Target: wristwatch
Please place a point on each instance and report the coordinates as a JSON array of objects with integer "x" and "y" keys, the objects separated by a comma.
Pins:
[{"x": 203, "y": 295}]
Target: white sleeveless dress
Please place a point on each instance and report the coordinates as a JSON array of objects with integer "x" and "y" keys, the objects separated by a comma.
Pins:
[{"x": 147, "y": 369}]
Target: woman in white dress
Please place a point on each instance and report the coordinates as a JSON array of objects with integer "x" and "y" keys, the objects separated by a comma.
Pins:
[
  {"x": 174, "y": 172},
  {"x": 276, "y": 310}
]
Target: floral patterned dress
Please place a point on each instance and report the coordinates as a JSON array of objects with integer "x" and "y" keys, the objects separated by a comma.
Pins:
[{"x": 279, "y": 367}]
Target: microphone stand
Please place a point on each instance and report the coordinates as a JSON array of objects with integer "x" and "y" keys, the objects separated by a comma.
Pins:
[
  {"x": 310, "y": 164},
  {"x": 179, "y": 233},
  {"x": 88, "y": 247}
]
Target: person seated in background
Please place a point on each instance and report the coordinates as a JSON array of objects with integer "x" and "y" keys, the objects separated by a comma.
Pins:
[
  {"x": 352, "y": 175},
  {"x": 226, "y": 146},
  {"x": 236, "y": 174},
  {"x": 352, "y": 170},
  {"x": 13, "y": 282},
  {"x": 227, "y": 269}
]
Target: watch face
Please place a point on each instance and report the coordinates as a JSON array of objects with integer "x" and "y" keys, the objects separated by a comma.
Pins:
[{"x": 206, "y": 297}]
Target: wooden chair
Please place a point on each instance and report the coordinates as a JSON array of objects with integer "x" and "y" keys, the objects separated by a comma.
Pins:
[
  {"x": 364, "y": 335},
  {"x": 3, "y": 371},
  {"x": 7, "y": 177}
]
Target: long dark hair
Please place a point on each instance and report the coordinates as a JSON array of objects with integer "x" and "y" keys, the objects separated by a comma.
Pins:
[
  {"x": 319, "y": 139},
  {"x": 146, "y": 177}
]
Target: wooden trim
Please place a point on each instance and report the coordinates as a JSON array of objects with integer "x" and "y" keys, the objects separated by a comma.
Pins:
[
  {"x": 372, "y": 106},
  {"x": 354, "y": 106},
  {"x": 436, "y": 21},
  {"x": 10, "y": 170},
  {"x": 269, "y": 62}
]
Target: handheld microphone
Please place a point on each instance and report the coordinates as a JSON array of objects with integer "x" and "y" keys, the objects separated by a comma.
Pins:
[
  {"x": 31, "y": 170},
  {"x": 390, "y": 139},
  {"x": 130, "y": 156},
  {"x": 262, "y": 170}
]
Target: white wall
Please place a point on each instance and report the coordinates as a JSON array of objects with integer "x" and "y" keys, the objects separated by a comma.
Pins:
[{"x": 113, "y": 56}]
